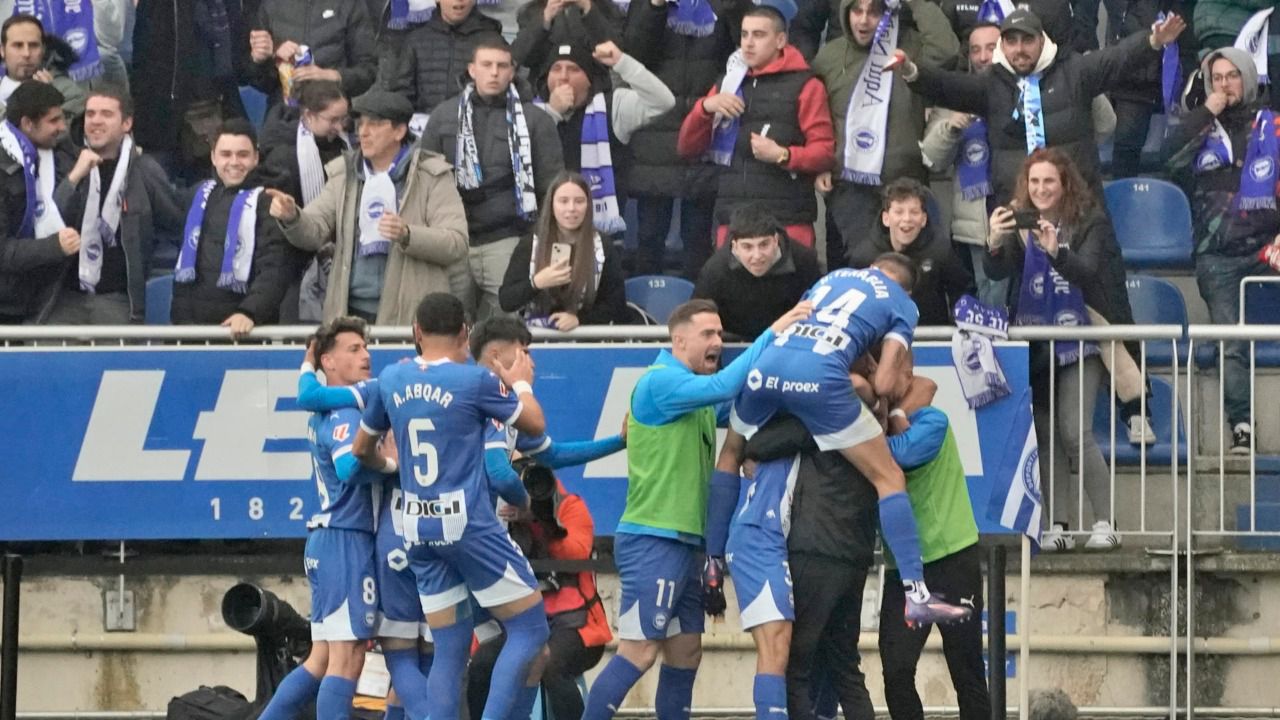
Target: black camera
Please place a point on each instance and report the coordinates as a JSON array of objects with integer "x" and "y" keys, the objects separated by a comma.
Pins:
[{"x": 539, "y": 481}]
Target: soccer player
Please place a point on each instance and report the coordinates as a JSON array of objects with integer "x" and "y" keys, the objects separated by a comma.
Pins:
[
  {"x": 339, "y": 553},
  {"x": 659, "y": 540},
  {"x": 806, "y": 373},
  {"x": 438, "y": 407}
]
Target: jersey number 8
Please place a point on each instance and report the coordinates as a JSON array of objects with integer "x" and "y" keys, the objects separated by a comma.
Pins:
[{"x": 428, "y": 470}]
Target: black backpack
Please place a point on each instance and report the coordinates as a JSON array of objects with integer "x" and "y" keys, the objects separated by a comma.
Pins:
[{"x": 209, "y": 703}]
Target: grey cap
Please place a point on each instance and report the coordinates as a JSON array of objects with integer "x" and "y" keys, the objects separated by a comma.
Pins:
[
  {"x": 385, "y": 105},
  {"x": 1024, "y": 21}
]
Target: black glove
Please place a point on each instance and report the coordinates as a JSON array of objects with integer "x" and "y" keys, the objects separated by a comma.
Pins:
[{"x": 713, "y": 573}]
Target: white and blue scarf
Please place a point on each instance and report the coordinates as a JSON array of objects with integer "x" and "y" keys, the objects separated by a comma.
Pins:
[
  {"x": 469, "y": 173},
  {"x": 691, "y": 18},
  {"x": 981, "y": 378},
  {"x": 724, "y": 130},
  {"x": 378, "y": 194},
  {"x": 1047, "y": 298},
  {"x": 71, "y": 20},
  {"x": 973, "y": 161},
  {"x": 101, "y": 218},
  {"x": 310, "y": 165},
  {"x": 866, "y": 120},
  {"x": 237, "y": 253},
  {"x": 541, "y": 320},
  {"x": 1030, "y": 111},
  {"x": 597, "y": 167},
  {"x": 20, "y": 148},
  {"x": 1253, "y": 40},
  {"x": 410, "y": 12}
]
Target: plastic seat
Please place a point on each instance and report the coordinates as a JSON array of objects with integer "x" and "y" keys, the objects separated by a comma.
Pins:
[
  {"x": 1161, "y": 407},
  {"x": 658, "y": 295},
  {"x": 1158, "y": 302},
  {"x": 1261, "y": 306},
  {"x": 1152, "y": 220},
  {"x": 159, "y": 298}
]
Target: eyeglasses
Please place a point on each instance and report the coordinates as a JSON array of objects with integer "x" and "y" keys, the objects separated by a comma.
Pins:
[
  {"x": 333, "y": 119},
  {"x": 1233, "y": 75}
]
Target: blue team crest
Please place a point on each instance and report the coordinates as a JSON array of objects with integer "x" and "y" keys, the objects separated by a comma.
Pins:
[
  {"x": 39, "y": 207},
  {"x": 1037, "y": 286},
  {"x": 1263, "y": 168},
  {"x": 975, "y": 152},
  {"x": 77, "y": 39},
  {"x": 1031, "y": 474},
  {"x": 660, "y": 620},
  {"x": 376, "y": 208},
  {"x": 865, "y": 139},
  {"x": 1207, "y": 161}
]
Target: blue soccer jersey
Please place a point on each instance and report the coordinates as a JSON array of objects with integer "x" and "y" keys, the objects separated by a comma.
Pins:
[
  {"x": 853, "y": 310},
  {"x": 768, "y": 501},
  {"x": 501, "y": 436},
  {"x": 347, "y": 504},
  {"x": 439, "y": 411}
]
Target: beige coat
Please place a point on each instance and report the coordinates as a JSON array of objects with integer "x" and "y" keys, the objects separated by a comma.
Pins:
[{"x": 430, "y": 206}]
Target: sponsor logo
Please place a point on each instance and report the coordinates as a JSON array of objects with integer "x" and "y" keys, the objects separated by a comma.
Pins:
[
  {"x": 754, "y": 379},
  {"x": 433, "y": 508},
  {"x": 342, "y": 432}
]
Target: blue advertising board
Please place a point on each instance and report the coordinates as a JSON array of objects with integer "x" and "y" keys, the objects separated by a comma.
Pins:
[{"x": 205, "y": 442}]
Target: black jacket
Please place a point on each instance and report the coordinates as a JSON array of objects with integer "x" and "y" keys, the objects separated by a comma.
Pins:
[
  {"x": 749, "y": 304},
  {"x": 435, "y": 55},
  {"x": 278, "y": 146},
  {"x": 149, "y": 203},
  {"x": 940, "y": 276},
  {"x": 688, "y": 66},
  {"x": 533, "y": 44},
  {"x": 27, "y": 265},
  {"x": 608, "y": 308},
  {"x": 339, "y": 34},
  {"x": 1067, "y": 88},
  {"x": 204, "y": 303},
  {"x": 491, "y": 208},
  {"x": 834, "y": 508},
  {"x": 1055, "y": 15}
]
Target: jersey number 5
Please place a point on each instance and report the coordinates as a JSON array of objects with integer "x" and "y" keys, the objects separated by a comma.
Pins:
[{"x": 427, "y": 469}]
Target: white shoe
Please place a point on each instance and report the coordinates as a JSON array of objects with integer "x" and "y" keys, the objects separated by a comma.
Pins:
[
  {"x": 1103, "y": 538},
  {"x": 1140, "y": 432},
  {"x": 1055, "y": 539}
]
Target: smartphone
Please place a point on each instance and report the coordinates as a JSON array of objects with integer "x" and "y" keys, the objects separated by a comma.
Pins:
[
  {"x": 1026, "y": 219},
  {"x": 561, "y": 251}
]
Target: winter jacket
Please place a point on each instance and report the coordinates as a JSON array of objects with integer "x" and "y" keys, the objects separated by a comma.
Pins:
[
  {"x": 1142, "y": 84},
  {"x": 533, "y": 43},
  {"x": 786, "y": 96},
  {"x": 437, "y": 238},
  {"x": 340, "y": 36},
  {"x": 578, "y": 543},
  {"x": 1068, "y": 83},
  {"x": 202, "y": 302},
  {"x": 1218, "y": 22},
  {"x": 278, "y": 146},
  {"x": 749, "y": 304},
  {"x": 1218, "y": 227},
  {"x": 150, "y": 203},
  {"x": 491, "y": 208},
  {"x": 435, "y": 56},
  {"x": 839, "y": 63},
  {"x": 941, "y": 278},
  {"x": 27, "y": 265},
  {"x": 687, "y": 66},
  {"x": 608, "y": 308}
]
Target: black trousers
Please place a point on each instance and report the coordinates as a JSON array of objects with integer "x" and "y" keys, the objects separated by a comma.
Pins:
[
  {"x": 828, "y": 598},
  {"x": 653, "y": 215},
  {"x": 1133, "y": 122},
  {"x": 568, "y": 659},
  {"x": 958, "y": 577}
]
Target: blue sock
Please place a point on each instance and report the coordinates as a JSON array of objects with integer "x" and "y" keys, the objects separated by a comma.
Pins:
[
  {"x": 898, "y": 526},
  {"x": 525, "y": 699},
  {"x": 770, "y": 695},
  {"x": 394, "y": 712},
  {"x": 410, "y": 683},
  {"x": 610, "y": 688},
  {"x": 424, "y": 662},
  {"x": 444, "y": 684},
  {"x": 527, "y": 633},
  {"x": 297, "y": 689},
  {"x": 675, "y": 693},
  {"x": 334, "y": 700}
]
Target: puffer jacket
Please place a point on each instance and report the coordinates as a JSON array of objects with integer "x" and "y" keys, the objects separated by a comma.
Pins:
[
  {"x": 435, "y": 55},
  {"x": 535, "y": 41},
  {"x": 340, "y": 36}
]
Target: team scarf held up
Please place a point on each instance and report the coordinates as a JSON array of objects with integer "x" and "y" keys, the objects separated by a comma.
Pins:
[
  {"x": 72, "y": 21},
  {"x": 597, "y": 165},
  {"x": 1047, "y": 298},
  {"x": 981, "y": 378},
  {"x": 237, "y": 252},
  {"x": 724, "y": 129},
  {"x": 1253, "y": 40},
  {"x": 379, "y": 193},
  {"x": 691, "y": 18},
  {"x": 101, "y": 219},
  {"x": 973, "y": 161},
  {"x": 1030, "y": 111},
  {"x": 310, "y": 166},
  {"x": 1262, "y": 158},
  {"x": 469, "y": 173},
  {"x": 993, "y": 12},
  {"x": 866, "y": 120},
  {"x": 410, "y": 12},
  {"x": 544, "y": 321},
  {"x": 1170, "y": 72},
  {"x": 40, "y": 216}
]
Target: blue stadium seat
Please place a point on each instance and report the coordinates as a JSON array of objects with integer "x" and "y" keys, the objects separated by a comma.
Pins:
[
  {"x": 658, "y": 295},
  {"x": 1158, "y": 302},
  {"x": 1261, "y": 307},
  {"x": 255, "y": 105},
  {"x": 1152, "y": 219},
  {"x": 159, "y": 298},
  {"x": 1161, "y": 406}
]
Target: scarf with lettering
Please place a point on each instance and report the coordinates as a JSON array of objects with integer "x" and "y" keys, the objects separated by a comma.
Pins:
[
  {"x": 101, "y": 218},
  {"x": 1253, "y": 40},
  {"x": 724, "y": 129},
  {"x": 1030, "y": 111},
  {"x": 1170, "y": 72},
  {"x": 1047, "y": 298},
  {"x": 20, "y": 148},
  {"x": 469, "y": 173},
  {"x": 71, "y": 20},
  {"x": 597, "y": 167},
  {"x": 237, "y": 252},
  {"x": 973, "y": 162},
  {"x": 866, "y": 120},
  {"x": 1258, "y": 176},
  {"x": 537, "y": 315},
  {"x": 379, "y": 194},
  {"x": 310, "y": 165},
  {"x": 691, "y": 18},
  {"x": 410, "y": 12},
  {"x": 981, "y": 378}
]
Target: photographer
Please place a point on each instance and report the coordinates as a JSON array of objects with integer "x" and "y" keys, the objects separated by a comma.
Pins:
[{"x": 556, "y": 526}]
